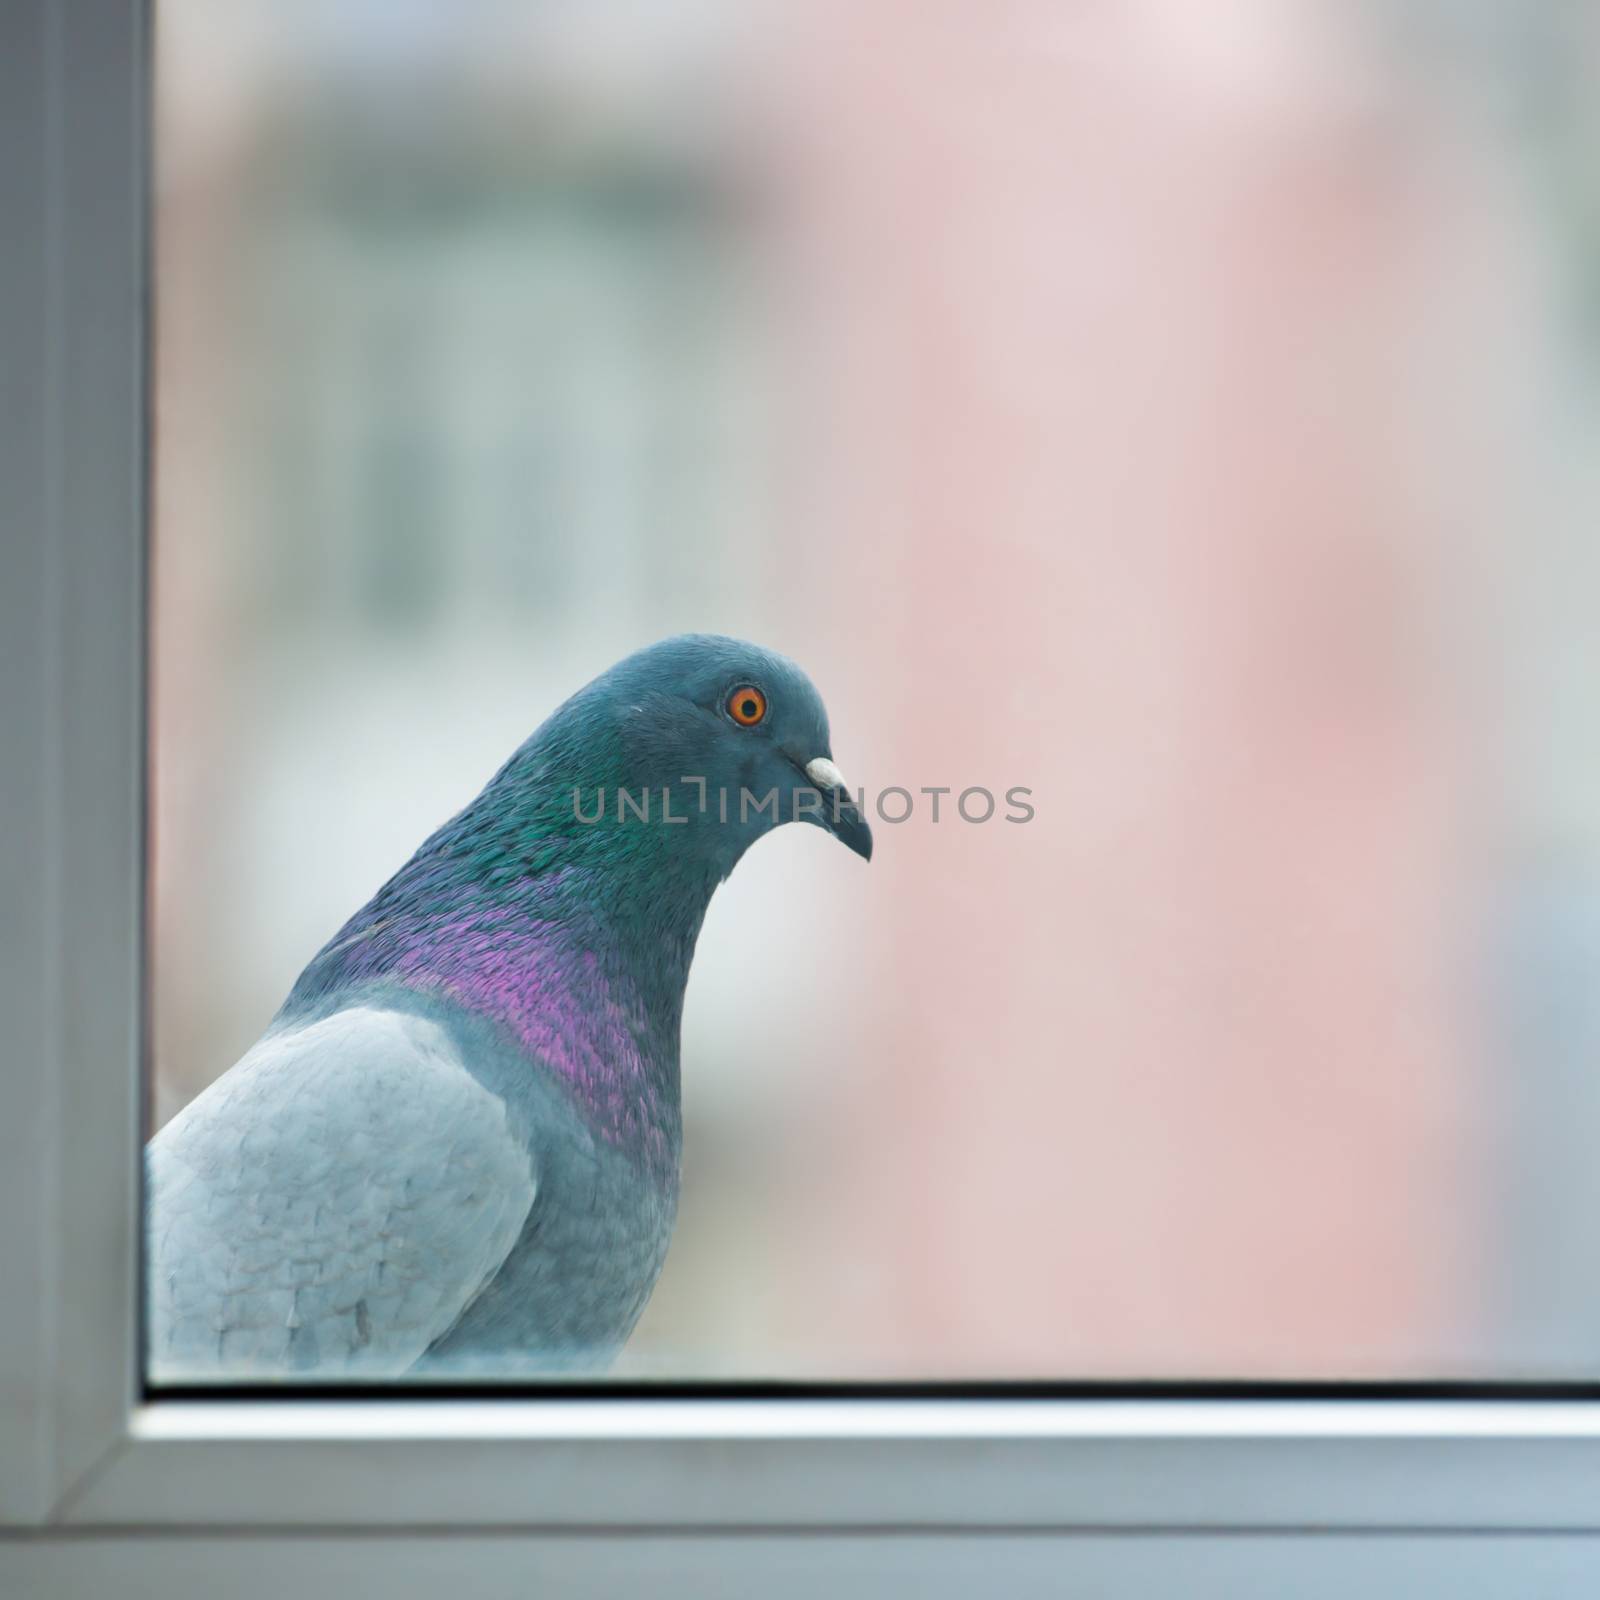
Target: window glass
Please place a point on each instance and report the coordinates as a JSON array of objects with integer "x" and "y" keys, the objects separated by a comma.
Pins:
[{"x": 1163, "y": 436}]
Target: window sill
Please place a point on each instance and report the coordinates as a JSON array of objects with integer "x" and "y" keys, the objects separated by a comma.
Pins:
[{"x": 885, "y": 1464}]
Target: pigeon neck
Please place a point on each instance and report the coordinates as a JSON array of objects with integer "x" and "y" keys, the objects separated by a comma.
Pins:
[{"x": 581, "y": 953}]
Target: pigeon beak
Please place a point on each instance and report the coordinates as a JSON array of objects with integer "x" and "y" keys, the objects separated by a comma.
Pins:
[{"x": 841, "y": 816}]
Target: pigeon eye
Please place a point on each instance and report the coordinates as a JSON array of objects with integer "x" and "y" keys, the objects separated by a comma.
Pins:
[{"x": 747, "y": 705}]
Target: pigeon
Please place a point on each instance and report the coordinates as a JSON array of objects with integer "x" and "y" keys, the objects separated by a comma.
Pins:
[{"x": 456, "y": 1147}]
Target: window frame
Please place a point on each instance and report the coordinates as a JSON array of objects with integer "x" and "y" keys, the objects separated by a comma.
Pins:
[{"x": 80, "y": 1446}]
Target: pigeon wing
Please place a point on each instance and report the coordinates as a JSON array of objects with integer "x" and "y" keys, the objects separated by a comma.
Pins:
[{"x": 331, "y": 1205}]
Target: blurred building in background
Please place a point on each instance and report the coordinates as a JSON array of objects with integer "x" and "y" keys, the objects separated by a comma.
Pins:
[{"x": 1184, "y": 411}]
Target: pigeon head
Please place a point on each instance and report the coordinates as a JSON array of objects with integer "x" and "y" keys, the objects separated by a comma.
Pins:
[
  {"x": 563, "y": 904},
  {"x": 711, "y": 741}
]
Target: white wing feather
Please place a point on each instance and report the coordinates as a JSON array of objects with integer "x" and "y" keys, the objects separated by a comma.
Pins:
[{"x": 331, "y": 1205}]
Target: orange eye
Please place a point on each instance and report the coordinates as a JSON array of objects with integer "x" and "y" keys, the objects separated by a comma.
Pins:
[{"x": 747, "y": 705}]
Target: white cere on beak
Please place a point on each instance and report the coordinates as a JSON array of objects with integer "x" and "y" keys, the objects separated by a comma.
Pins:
[{"x": 824, "y": 774}]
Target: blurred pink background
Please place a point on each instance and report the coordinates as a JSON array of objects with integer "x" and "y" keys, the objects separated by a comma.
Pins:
[{"x": 1185, "y": 411}]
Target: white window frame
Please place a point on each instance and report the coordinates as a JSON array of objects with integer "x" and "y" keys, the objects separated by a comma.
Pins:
[{"x": 80, "y": 1451}]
